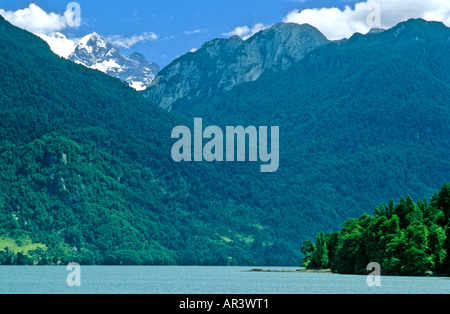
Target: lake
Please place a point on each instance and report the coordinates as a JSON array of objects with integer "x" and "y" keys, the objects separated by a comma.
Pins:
[{"x": 203, "y": 280}]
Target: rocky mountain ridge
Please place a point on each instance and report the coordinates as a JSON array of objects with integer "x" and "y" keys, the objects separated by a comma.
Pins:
[{"x": 221, "y": 64}]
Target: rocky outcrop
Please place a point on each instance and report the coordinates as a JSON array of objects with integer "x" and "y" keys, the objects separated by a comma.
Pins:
[{"x": 221, "y": 64}]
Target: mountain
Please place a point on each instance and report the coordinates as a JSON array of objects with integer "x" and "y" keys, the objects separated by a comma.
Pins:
[
  {"x": 361, "y": 121},
  {"x": 86, "y": 175},
  {"x": 223, "y": 63},
  {"x": 95, "y": 52}
]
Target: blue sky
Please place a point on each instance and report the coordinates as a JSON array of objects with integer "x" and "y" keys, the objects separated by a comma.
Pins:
[{"x": 181, "y": 25}]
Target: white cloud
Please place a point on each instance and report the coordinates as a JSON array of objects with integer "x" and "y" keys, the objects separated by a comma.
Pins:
[
  {"x": 196, "y": 31},
  {"x": 127, "y": 42},
  {"x": 49, "y": 25},
  {"x": 246, "y": 32},
  {"x": 45, "y": 25},
  {"x": 192, "y": 32},
  {"x": 335, "y": 23},
  {"x": 36, "y": 20}
]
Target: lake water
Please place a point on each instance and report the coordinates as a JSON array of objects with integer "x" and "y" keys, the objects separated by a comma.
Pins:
[{"x": 203, "y": 280}]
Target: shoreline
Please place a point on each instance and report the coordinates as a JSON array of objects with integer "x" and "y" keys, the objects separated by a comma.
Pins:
[
  {"x": 254, "y": 270},
  {"x": 322, "y": 271},
  {"x": 328, "y": 271}
]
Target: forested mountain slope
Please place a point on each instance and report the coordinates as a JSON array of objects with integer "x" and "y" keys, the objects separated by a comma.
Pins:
[
  {"x": 86, "y": 173},
  {"x": 361, "y": 121}
]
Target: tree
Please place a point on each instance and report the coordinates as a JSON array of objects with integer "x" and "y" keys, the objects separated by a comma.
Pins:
[
  {"x": 442, "y": 200},
  {"x": 307, "y": 249},
  {"x": 409, "y": 238},
  {"x": 320, "y": 255},
  {"x": 441, "y": 203}
]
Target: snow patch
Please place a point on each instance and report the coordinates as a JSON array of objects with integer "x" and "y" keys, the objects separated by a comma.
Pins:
[
  {"x": 59, "y": 44},
  {"x": 139, "y": 86},
  {"x": 106, "y": 66}
]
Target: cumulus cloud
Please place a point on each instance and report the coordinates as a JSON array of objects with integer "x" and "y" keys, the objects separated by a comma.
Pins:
[
  {"x": 246, "y": 32},
  {"x": 335, "y": 23},
  {"x": 46, "y": 25},
  {"x": 36, "y": 20},
  {"x": 127, "y": 42}
]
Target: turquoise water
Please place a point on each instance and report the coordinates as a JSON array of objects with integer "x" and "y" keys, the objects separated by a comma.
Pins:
[{"x": 203, "y": 280}]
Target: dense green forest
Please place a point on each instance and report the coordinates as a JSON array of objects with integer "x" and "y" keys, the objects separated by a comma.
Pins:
[
  {"x": 361, "y": 121},
  {"x": 86, "y": 174},
  {"x": 408, "y": 238}
]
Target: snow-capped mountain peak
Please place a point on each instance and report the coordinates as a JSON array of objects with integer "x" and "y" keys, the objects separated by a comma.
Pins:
[
  {"x": 92, "y": 41},
  {"x": 93, "y": 51}
]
